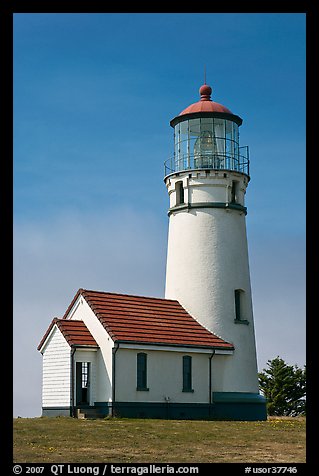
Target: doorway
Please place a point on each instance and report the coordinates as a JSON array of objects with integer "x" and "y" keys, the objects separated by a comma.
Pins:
[{"x": 82, "y": 383}]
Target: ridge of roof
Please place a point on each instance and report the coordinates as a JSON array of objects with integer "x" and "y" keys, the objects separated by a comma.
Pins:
[
  {"x": 82, "y": 291},
  {"x": 127, "y": 295}
]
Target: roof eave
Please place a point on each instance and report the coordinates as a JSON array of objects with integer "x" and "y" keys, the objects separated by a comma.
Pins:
[
  {"x": 194, "y": 115},
  {"x": 84, "y": 346},
  {"x": 169, "y": 344},
  {"x": 47, "y": 335}
]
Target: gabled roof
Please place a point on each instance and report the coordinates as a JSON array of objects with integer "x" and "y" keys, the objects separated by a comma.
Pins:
[
  {"x": 75, "y": 333},
  {"x": 148, "y": 320}
]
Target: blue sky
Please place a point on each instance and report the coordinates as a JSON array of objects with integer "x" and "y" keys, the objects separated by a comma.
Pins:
[{"x": 93, "y": 97}]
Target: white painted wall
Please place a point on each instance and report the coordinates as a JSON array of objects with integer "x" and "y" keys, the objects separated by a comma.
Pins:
[
  {"x": 200, "y": 187},
  {"x": 103, "y": 360},
  {"x": 164, "y": 377},
  {"x": 207, "y": 259},
  {"x": 56, "y": 380}
]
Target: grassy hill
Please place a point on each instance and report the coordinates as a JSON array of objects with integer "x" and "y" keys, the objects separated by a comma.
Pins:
[{"x": 68, "y": 440}]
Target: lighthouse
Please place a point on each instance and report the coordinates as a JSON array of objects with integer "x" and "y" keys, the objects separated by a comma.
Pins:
[
  {"x": 207, "y": 267},
  {"x": 191, "y": 354}
]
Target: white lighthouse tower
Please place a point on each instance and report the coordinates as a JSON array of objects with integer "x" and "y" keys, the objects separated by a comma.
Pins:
[{"x": 207, "y": 257}]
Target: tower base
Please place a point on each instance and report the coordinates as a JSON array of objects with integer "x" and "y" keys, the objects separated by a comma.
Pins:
[{"x": 239, "y": 406}]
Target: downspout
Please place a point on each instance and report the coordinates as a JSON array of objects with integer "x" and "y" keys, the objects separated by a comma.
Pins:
[
  {"x": 114, "y": 350},
  {"x": 210, "y": 381},
  {"x": 72, "y": 409}
]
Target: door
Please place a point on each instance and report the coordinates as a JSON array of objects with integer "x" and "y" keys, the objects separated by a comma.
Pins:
[{"x": 82, "y": 383}]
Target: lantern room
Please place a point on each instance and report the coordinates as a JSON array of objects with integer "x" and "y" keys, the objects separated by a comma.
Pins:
[{"x": 206, "y": 136}]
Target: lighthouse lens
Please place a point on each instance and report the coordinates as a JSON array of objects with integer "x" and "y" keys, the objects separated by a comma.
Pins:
[
  {"x": 205, "y": 150},
  {"x": 205, "y": 144}
]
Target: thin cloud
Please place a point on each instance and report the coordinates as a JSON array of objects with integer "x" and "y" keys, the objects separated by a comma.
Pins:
[{"x": 120, "y": 252}]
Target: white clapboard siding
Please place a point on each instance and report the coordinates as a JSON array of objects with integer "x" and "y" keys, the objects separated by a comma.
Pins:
[{"x": 56, "y": 371}]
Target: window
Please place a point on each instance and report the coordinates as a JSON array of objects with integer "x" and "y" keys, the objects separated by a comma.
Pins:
[
  {"x": 141, "y": 371},
  {"x": 234, "y": 191},
  {"x": 239, "y": 300},
  {"x": 237, "y": 304},
  {"x": 85, "y": 374},
  {"x": 179, "y": 193},
  {"x": 82, "y": 383},
  {"x": 187, "y": 374}
]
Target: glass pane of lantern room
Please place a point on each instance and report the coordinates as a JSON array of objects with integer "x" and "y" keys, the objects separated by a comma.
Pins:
[
  {"x": 207, "y": 142},
  {"x": 183, "y": 145},
  {"x": 229, "y": 144},
  {"x": 236, "y": 146},
  {"x": 176, "y": 140},
  {"x": 206, "y": 125},
  {"x": 194, "y": 132},
  {"x": 219, "y": 129},
  {"x": 174, "y": 163}
]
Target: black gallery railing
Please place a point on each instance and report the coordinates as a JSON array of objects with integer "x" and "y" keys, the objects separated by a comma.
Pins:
[{"x": 215, "y": 161}]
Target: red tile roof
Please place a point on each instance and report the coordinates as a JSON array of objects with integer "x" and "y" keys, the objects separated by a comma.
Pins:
[
  {"x": 75, "y": 333},
  {"x": 139, "y": 319}
]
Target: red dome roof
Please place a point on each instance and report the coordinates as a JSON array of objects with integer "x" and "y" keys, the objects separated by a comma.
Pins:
[{"x": 205, "y": 104}]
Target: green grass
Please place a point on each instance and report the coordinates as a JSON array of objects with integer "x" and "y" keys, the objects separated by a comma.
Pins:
[{"x": 120, "y": 440}]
